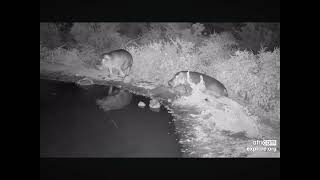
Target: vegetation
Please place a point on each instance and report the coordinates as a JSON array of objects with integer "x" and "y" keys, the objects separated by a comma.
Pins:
[{"x": 246, "y": 60}]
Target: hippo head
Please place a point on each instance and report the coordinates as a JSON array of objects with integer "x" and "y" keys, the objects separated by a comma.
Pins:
[
  {"x": 99, "y": 64},
  {"x": 178, "y": 79},
  {"x": 103, "y": 58}
]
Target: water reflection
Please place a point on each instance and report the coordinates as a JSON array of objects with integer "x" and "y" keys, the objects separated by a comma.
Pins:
[
  {"x": 118, "y": 99},
  {"x": 73, "y": 125}
]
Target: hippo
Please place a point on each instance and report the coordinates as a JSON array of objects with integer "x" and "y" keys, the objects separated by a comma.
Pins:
[
  {"x": 186, "y": 78},
  {"x": 116, "y": 63}
]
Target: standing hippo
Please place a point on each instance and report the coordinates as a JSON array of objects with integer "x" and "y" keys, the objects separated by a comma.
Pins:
[
  {"x": 116, "y": 63},
  {"x": 186, "y": 78}
]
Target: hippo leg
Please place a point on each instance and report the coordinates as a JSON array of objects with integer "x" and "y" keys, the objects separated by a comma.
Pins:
[
  {"x": 109, "y": 72},
  {"x": 110, "y": 90}
]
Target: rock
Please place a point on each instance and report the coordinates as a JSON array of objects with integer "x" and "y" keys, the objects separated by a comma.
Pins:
[
  {"x": 85, "y": 82},
  {"x": 154, "y": 104},
  {"x": 141, "y": 104},
  {"x": 155, "y": 109}
]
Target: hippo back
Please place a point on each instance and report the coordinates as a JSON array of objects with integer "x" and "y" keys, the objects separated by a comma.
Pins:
[{"x": 210, "y": 83}]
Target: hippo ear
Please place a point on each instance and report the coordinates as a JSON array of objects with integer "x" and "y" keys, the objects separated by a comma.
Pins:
[
  {"x": 106, "y": 57},
  {"x": 102, "y": 61}
]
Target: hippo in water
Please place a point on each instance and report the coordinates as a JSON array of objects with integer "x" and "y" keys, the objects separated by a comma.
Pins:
[{"x": 212, "y": 86}]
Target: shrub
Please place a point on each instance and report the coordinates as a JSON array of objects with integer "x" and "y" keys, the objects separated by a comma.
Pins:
[
  {"x": 89, "y": 55},
  {"x": 43, "y": 51},
  {"x": 159, "y": 61},
  {"x": 255, "y": 79},
  {"x": 85, "y": 56},
  {"x": 217, "y": 48},
  {"x": 102, "y": 36},
  {"x": 254, "y": 36},
  {"x": 64, "y": 57},
  {"x": 49, "y": 35}
]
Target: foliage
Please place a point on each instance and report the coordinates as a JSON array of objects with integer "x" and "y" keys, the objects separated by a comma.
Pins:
[
  {"x": 159, "y": 61},
  {"x": 254, "y": 36},
  {"x": 49, "y": 35},
  {"x": 101, "y": 36}
]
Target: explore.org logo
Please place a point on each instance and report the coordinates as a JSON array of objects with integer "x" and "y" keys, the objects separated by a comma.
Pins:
[{"x": 264, "y": 146}]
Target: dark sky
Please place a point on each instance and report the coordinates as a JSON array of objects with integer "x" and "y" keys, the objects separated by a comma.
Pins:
[{"x": 164, "y": 10}]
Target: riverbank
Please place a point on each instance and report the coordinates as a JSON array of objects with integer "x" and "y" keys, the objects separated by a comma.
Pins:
[
  {"x": 213, "y": 128},
  {"x": 73, "y": 74}
]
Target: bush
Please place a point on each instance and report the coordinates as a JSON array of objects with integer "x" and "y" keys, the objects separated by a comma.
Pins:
[
  {"x": 165, "y": 31},
  {"x": 43, "y": 51},
  {"x": 101, "y": 36},
  {"x": 49, "y": 35},
  {"x": 85, "y": 56},
  {"x": 217, "y": 48},
  {"x": 89, "y": 56},
  {"x": 64, "y": 57},
  {"x": 255, "y": 79},
  {"x": 159, "y": 61},
  {"x": 254, "y": 36}
]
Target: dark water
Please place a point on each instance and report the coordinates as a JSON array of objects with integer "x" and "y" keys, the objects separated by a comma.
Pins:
[{"x": 72, "y": 125}]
